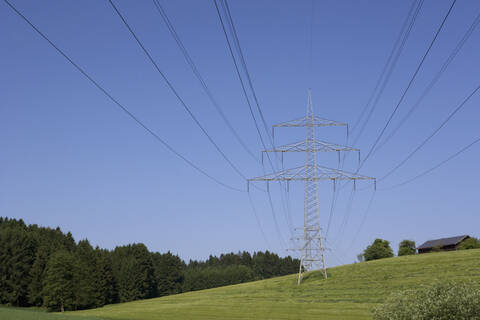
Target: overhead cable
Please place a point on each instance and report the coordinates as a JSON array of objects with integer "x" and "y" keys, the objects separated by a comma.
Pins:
[
  {"x": 175, "y": 92},
  {"x": 424, "y": 142},
  {"x": 408, "y": 86},
  {"x": 197, "y": 74},
  {"x": 117, "y": 103}
]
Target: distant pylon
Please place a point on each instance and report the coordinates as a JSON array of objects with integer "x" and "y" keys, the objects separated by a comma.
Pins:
[{"x": 312, "y": 249}]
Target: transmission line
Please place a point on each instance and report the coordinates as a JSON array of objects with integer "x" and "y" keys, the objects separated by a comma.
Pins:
[
  {"x": 346, "y": 216},
  {"x": 238, "y": 47},
  {"x": 244, "y": 65},
  {"x": 450, "y": 116},
  {"x": 249, "y": 107},
  {"x": 418, "y": 176},
  {"x": 197, "y": 74},
  {"x": 387, "y": 72},
  {"x": 409, "y": 85},
  {"x": 380, "y": 86},
  {"x": 181, "y": 100},
  {"x": 117, "y": 103},
  {"x": 241, "y": 80},
  {"x": 258, "y": 220},
  {"x": 388, "y": 68},
  {"x": 435, "y": 79},
  {"x": 190, "y": 113},
  {"x": 310, "y": 53},
  {"x": 364, "y": 218}
]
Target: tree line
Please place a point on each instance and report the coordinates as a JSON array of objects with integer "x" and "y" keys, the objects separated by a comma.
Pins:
[
  {"x": 45, "y": 267},
  {"x": 381, "y": 248}
]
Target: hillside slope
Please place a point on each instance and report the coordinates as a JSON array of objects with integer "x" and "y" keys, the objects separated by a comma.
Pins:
[
  {"x": 350, "y": 292},
  {"x": 36, "y": 314}
]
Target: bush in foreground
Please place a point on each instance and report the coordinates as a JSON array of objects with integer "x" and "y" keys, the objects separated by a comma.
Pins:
[{"x": 440, "y": 301}]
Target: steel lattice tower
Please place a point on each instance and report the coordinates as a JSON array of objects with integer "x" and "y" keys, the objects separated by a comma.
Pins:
[
  {"x": 312, "y": 249},
  {"x": 312, "y": 242}
]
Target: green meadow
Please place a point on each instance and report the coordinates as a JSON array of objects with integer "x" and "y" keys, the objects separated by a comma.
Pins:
[{"x": 350, "y": 292}]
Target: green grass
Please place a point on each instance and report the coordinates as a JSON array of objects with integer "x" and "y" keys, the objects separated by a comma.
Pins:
[
  {"x": 36, "y": 314},
  {"x": 350, "y": 292}
]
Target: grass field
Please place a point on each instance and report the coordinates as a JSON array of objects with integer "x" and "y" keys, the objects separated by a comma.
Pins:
[
  {"x": 350, "y": 292},
  {"x": 36, "y": 314}
]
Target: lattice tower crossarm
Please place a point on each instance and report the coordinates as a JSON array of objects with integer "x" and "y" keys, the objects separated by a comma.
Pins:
[{"x": 314, "y": 146}]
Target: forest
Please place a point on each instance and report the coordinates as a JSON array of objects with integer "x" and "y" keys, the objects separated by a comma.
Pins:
[{"x": 44, "y": 267}]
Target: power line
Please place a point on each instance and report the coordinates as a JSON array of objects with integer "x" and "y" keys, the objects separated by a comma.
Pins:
[
  {"x": 380, "y": 86},
  {"x": 310, "y": 55},
  {"x": 249, "y": 106},
  {"x": 346, "y": 216},
  {"x": 389, "y": 66},
  {"x": 117, "y": 103},
  {"x": 274, "y": 216},
  {"x": 386, "y": 73},
  {"x": 243, "y": 63},
  {"x": 195, "y": 71},
  {"x": 240, "y": 79},
  {"x": 258, "y": 220},
  {"x": 238, "y": 47},
  {"x": 418, "y": 176},
  {"x": 332, "y": 210},
  {"x": 364, "y": 218},
  {"x": 435, "y": 79},
  {"x": 176, "y": 93},
  {"x": 214, "y": 102},
  {"x": 450, "y": 116},
  {"x": 409, "y": 85}
]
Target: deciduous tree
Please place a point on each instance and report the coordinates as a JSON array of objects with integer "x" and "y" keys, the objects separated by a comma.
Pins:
[{"x": 377, "y": 250}]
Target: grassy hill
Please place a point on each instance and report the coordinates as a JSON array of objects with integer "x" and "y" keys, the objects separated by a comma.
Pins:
[
  {"x": 350, "y": 292},
  {"x": 36, "y": 314}
]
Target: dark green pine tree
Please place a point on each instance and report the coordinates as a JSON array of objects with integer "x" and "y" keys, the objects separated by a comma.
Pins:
[
  {"x": 37, "y": 274},
  {"x": 17, "y": 253},
  {"x": 134, "y": 272},
  {"x": 169, "y": 273},
  {"x": 48, "y": 241},
  {"x": 145, "y": 272},
  {"x": 86, "y": 276},
  {"x": 106, "y": 284},
  {"x": 59, "y": 282}
]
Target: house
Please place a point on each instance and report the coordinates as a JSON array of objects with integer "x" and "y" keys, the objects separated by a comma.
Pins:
[{"x": 444, "y": 244}]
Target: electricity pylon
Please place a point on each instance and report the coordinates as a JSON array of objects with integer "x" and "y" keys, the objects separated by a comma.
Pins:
[{"x": 312, "y": 250}]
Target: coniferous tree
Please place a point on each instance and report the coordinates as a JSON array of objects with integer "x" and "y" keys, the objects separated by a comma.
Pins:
[
  {"x": 17, "y": 253},
  {"x": 169, "y": 273},
  {"x": 134, "y": 272},
  {"x": 106, "y": 282},
  {"x": 86, "y": 277},
  {"x": 37, "y": 274},
  {"x": 45, "y": 267},
  {"x": 59, "y": 283}
]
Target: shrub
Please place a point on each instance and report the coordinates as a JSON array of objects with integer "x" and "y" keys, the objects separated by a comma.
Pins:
[
  {"x": 377, "y": 250},
  {"x": 360, "y": 257},
  {"x": 406, "y": 247},
  {"x": 440, "y": 301},
  {"x": 470, "y": 243}
]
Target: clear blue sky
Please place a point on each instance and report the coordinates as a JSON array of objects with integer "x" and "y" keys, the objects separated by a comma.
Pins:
[{"x": 70, "y": 158}]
